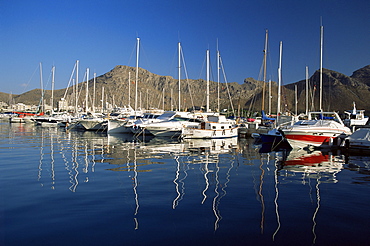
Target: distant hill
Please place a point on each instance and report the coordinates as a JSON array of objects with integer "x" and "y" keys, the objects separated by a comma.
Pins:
[{"x": 339, "y": 91}]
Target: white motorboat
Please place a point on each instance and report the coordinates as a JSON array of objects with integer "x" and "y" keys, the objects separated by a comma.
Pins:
[
  {"x": 355, "y": 117},
  {"x": 318, "y": 130},
  {"x": 214, "y": 126},
  {"x": 359, "y": 140},
  {"x": 171, "y": 128}
]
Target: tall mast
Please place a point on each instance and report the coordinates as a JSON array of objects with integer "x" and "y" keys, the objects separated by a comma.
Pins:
[
  {"x": 269, "y": 97},
  {"x": 102, "y": 100},
  {"x": 137, "y": 71},
  {"x": 279, "y": 79},
  {"x": 208, "y": 110},
  {"x": 76, "y": 95},
  {"x": 87, "y": 90},
  {"x": 306, "y": 90},
  {"x": 129, "y": 89},
  {"x": 179, "y": 50},
  {"x": 218, "y": 79},
  {"x": 264, "y": 70},
  {"x": 52, "y": 88},
  {"x": 321, "y": 49},
  {"x": 296, "y": 99},
  {"x": 93, "y": 106},
  {"x": 42, "y": 89}
]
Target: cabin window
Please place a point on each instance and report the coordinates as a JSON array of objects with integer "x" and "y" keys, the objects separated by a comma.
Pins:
[
  {"x": 222, "y": 127},
  {"x": 213, "y": 127}
]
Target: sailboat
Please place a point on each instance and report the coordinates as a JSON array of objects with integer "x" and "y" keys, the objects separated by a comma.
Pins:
[
  {"x": 275, "y": 136},
  {"x": 213, "y": 125},
  {"x": 124, "y": 125}
]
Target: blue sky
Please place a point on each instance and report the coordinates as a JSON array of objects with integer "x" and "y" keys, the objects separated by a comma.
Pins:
[{"x": 102, "y": 34}]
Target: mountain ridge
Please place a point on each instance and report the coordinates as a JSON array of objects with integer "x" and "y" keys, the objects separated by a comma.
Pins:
[{"x": 339, "y": 91}]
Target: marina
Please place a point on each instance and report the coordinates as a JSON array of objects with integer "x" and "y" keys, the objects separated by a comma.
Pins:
[
  {"x": 92, "y": 188},
  {"x": 122, "y": 124}
]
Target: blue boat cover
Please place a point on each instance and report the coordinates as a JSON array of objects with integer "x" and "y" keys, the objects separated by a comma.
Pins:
[{"x": 264, "y": 116}]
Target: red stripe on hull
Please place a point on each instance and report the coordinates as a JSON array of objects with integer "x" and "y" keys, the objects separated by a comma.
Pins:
[{"x": 308, "y": 138}]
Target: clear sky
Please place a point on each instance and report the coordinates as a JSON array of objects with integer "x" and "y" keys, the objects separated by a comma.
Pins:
[{"x": 102, "y": 34}]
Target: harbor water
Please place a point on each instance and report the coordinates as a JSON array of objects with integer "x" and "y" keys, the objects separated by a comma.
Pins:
[{"x": 63, "y": 187}]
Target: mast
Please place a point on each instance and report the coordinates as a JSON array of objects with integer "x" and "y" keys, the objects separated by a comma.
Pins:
[
  {"x": 306, "y": 90},
  {"x": 76, "y": 95},
  {"x": 269, "y": 97},
  {"x": 179, "y": 68},
  {"x": 87, "y": 90},
  {"x": 208, "y": 110},
  {"x": 102, "y": 100},
  {"x": 42, "y": 90},
  {"x": 93, "y": 106},
  {"x": 137, "y": 71},
  {"x": 218, "y": 79},
  {"x": 279, "y": 80},
  {"x": 296, "y": 99},
  {"x": 52, "y": 89},
  {"x": 147, "y": 99},
  {"x": 264, "y": 70},
  {"x": 321, "y": 49},
  {"x": 129, "y": 89}
]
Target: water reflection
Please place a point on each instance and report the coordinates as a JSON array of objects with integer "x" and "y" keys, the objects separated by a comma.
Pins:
[
  {"x": 309, "y": 167},
  {"x": 76, "y": 150},
  {"x": 217, "y": 188},
  {"x": 138, "y": 155},
  {"x": 312, "y": 165}
]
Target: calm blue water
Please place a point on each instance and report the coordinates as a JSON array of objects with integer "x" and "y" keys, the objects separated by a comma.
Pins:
[{"x": 85, "y": 188}]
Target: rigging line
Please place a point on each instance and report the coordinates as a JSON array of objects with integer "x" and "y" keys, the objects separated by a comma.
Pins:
[
  {"x": 132, "y": 54},
  {"x": 228, "y": 91},
  {"x": 49, "y": 79},
  {"x": 25, "y": 87},
  {"x": 146, "y": 57},
  {"x": 81, "y": 87},
  {"x": 69, "y": 82},
  {"x": 187, "y": 78}
]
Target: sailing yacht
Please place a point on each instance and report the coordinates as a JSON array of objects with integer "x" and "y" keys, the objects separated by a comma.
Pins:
[{"x": 213, "y": 126}]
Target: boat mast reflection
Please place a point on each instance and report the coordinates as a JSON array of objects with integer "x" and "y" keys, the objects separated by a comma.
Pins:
[{"x": 316, "y": 165}]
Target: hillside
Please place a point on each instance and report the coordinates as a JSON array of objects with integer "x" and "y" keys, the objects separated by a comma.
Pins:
[{"x": 119, "y": 91}]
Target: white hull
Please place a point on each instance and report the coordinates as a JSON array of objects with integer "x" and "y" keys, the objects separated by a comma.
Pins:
[
  {"x": 169, "y": 128},
  {"x": 216, "y": 126},
  {"x": 359, "y": 140},
  {"x": 316, "y": 133},
  {"x": 118, "y": 126},
  {"x": 93, "y": 124},
  {"x": 20, "y": 120},
  {"x": 209, "y": 134}
]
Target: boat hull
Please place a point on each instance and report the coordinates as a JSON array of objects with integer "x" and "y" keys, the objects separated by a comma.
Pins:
[
  {"x": 93, "y": 125},
  {"x": 118, "y": 126},
  {"x": 209, "y": 134},
  {"x": 314, "y": 137}
]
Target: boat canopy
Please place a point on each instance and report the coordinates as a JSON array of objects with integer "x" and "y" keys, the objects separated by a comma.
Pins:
[{"x": 264, "y": 116}]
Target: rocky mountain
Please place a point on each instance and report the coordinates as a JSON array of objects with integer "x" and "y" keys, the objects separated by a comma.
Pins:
[{"x": 339, "y": 91}]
